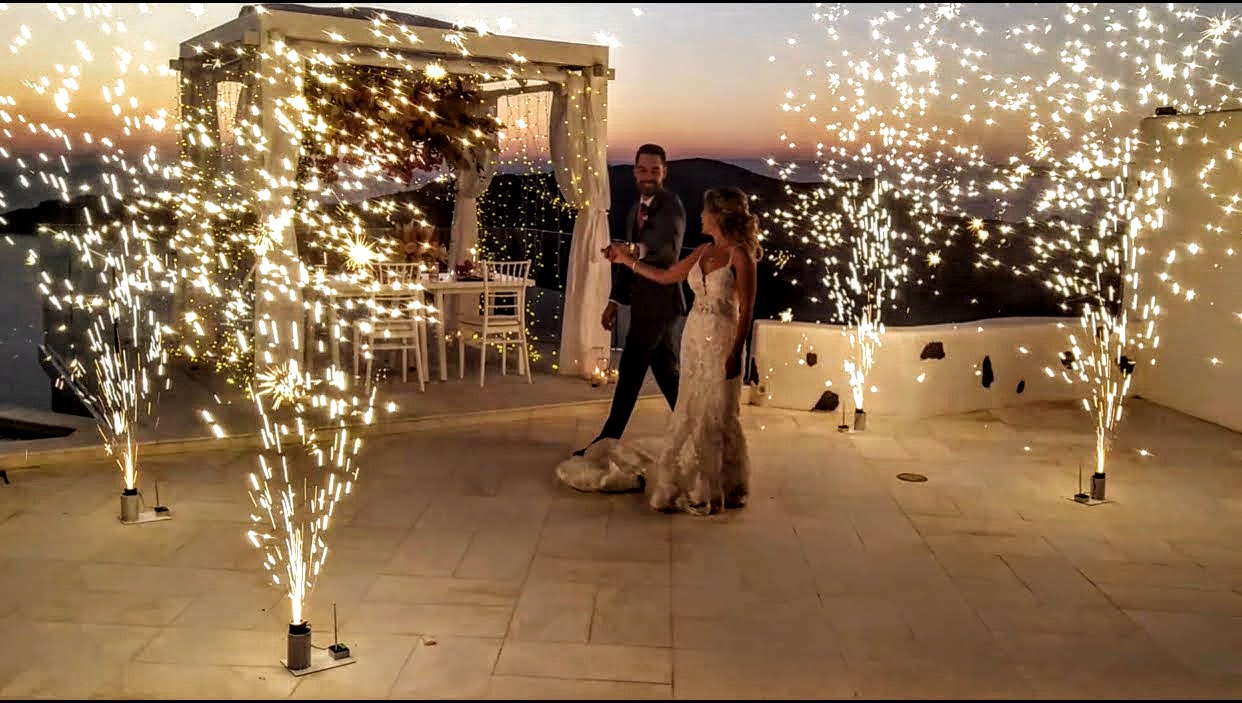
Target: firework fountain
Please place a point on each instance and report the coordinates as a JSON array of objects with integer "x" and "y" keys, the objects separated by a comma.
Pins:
[
  {"x": 343, "y": 126},
  {"x": 278, "y": 147},
  {"x": 121, "y": 370},
  {"x": 925, "y": 104},
  {"x": 864, "y": 255}
]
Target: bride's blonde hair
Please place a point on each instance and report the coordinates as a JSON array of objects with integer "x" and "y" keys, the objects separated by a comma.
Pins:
[{"x": 731, "y": 208}]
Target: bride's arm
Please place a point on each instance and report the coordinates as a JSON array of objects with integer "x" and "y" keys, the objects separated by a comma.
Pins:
[
  {"x": 745, "y": 266},
  {"x": 676, "y": 274}
]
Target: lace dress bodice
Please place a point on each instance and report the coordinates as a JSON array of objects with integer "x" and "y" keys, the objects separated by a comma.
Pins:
[{"x": 714, "y": 293}]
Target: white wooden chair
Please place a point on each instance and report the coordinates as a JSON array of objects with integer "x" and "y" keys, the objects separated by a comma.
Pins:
[
  {"x": 394, "y": 322},
  {"x": 499, "y": 319},
  {"x": 397, "y": 276},
  {"x": 395, "y": 272}
]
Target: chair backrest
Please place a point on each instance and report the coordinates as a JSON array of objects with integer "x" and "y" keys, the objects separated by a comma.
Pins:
[
  {"x": 390, "y": 272},
  {"x": 395, "y": 307},
  {"x": 504, "y": 290}
]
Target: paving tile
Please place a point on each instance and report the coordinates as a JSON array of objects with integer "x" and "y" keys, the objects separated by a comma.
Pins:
[
  {"x": 452, "y": 667},
  {"x": 499, "y": 555},
  {"x": 103, "y": 608},
  {"x": 215, "y": 647},
  {"x": 380, "y": 659},
  {"x": 539, "y": 688},
  {"x": 437, "y": 590},
  {"x": 759, "y": 673},
  {"x": 554, "y": 612},
  {"x": 608, "y": 662},
  {"x": 463, "y": 571},
  {"x": 67, "y": 660},
  {"x": 635, "y": 615},
  {"x": 599, "y": 572},
  {"x": 422, "y": 619},
  {"x": 1174, "y": 600},
  {"x": 146, "y": 681},
  {"x": 429, "y": 552},
  {"x": 1208, "y": 644}
]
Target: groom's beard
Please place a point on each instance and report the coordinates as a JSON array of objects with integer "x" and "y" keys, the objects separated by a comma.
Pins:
[{"x": 648, "y": 187}]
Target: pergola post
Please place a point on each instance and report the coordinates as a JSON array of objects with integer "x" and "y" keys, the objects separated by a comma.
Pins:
[
  {"x": 200, "y": 156},
  {"x": 279, "y": 318},
  {"x": 473, "y": 178}
]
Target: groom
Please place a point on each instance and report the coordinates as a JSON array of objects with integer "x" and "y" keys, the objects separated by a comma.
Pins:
[{"x": 655, "y": 227}]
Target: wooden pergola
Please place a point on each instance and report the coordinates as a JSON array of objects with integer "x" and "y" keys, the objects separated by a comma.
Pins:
[{"x": 258, "y": 50}]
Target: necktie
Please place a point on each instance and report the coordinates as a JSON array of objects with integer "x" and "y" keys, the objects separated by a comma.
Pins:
[{"x": 642, "y": 216}]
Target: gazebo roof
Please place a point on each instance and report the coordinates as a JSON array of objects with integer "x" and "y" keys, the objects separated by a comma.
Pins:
[
  {"x": 361, "y": 30},
  {"x": 369, "y": 14}
]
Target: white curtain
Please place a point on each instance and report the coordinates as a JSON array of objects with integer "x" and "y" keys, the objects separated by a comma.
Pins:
[
  {"x": 579, "y": 145},
  {"x": 473, "y": 177}
]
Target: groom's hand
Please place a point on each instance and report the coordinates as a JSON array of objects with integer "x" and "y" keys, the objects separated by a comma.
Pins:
[{"x": 609, "y": 319}]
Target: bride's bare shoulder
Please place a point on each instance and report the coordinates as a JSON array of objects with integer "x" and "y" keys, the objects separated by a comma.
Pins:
[{"x": 742, "y": 257}]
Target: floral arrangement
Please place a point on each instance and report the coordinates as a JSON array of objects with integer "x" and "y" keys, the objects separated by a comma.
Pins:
[
  {"x": 421, "y": 244},
  {"x": 374, "y": 119}
]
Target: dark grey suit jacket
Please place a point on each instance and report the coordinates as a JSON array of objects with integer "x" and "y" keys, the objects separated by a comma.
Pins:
[{"x": 653, "y": 306}]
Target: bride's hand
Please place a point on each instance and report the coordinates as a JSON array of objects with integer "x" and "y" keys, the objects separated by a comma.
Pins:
[{"x": 733, "y": 366}]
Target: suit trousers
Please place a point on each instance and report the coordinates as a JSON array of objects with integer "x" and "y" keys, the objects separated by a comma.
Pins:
[{"x": 650, "y": 344}]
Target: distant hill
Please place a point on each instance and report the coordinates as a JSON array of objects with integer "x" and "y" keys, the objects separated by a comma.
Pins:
[{"x": 955, "y": 290}]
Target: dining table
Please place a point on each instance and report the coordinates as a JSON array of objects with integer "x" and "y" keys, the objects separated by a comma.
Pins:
[{"x": 441, "y": 287}]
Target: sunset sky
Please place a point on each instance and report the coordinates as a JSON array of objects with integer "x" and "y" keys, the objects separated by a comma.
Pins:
[
  {"x": 694, "y": 77},
  {"x": 697, "y": 78}
]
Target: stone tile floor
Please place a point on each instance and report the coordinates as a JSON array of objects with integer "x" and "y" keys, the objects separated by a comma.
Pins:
[
  {"x": 461, "y": 569},
  {"x": 179, "y": 419}
]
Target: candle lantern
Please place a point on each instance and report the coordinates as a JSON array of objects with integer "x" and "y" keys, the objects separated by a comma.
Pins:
[{"x": 601, "y": 374}]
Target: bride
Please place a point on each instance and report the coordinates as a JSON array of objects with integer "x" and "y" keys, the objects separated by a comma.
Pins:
[{"x": 704, "y": 467}]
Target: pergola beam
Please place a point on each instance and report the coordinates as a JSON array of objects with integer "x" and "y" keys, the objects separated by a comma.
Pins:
[
  {"x": 523, "y": 89},
  {"x": 418, "y": 60},
  {"x": 358, "y": 33}
]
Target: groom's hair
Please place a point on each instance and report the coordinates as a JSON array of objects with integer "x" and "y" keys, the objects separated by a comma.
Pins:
[{"x": 654, "y": 150}]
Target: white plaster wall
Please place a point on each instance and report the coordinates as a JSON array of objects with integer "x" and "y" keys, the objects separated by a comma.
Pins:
[
  {"x": 22, "y": 381},
  {"x": 1192, "y": 333},
  {"x": 900, "y": 383}
]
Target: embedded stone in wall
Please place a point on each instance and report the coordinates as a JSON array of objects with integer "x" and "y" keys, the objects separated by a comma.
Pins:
[
  {"x": 988, "y": 376},
  {"x": 1068, "y": 359},
  {"x": 1021, "y": 386},
  {"x": 932, "y": 350},
  {"x": 1127, "y": 365},
  {"x": 812, "y": 358},
  {"x": 828, "y": 401}
]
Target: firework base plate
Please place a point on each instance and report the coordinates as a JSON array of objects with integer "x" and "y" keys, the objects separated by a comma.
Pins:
[
  {"x": 1084, "y": 499},
  {"x": 321, "y": 660},
  {"x": 153, "y": 515}
]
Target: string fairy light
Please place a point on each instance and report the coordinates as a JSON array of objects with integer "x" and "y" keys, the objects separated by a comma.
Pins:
[{"x": 523, "y": 205}]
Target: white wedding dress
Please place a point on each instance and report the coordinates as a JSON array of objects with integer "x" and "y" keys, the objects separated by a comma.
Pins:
[{"x": 701, "y": 466}]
